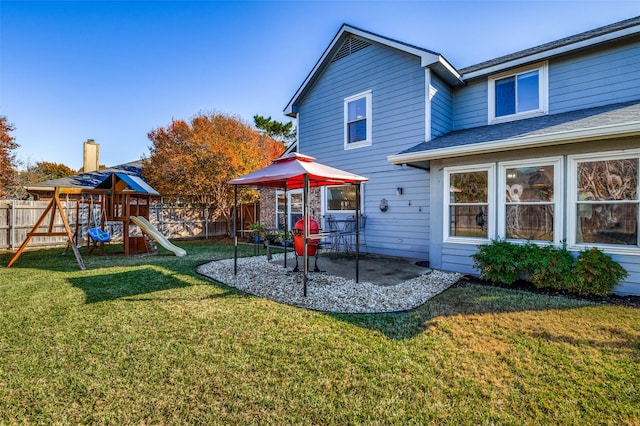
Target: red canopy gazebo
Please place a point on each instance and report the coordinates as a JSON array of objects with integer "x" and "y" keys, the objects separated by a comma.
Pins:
[{"x": 295, "y": 171}]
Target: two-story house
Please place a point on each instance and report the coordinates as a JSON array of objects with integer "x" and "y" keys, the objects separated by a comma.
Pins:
[{"x": 541, "y": 145}]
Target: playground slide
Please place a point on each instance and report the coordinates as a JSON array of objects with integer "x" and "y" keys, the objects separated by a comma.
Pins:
[{"x": 151, "y": 230}]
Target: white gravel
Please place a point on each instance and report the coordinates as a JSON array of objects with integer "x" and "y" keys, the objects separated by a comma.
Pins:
[{"x": 328, "y": 293}]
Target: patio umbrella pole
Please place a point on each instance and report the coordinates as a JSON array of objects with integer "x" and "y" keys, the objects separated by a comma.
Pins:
[
  {"x": 235, "y": 229},
  {"x": 305, "y": 196}
]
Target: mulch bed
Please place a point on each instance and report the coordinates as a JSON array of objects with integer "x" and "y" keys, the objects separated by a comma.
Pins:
[{"x": 630, "y": 301}]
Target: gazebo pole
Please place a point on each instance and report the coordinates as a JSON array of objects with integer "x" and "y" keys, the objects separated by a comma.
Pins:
[
  {"x": 305, "y": 197},
  {"x": 235, "y": 229},
  {"x": 286, "y": 223},
  {"x": 358, "y": 232}
]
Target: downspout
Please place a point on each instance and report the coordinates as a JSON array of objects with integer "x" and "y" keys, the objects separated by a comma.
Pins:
[{"x": 427, "y": 104}]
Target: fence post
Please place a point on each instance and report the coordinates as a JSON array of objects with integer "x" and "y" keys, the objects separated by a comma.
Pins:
[{"x": 13, "y": 224}]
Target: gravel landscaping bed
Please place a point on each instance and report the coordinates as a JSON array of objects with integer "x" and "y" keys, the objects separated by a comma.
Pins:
[{"x": 330, "y": 293}]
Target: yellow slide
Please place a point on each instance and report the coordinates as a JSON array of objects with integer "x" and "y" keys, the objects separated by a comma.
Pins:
[{"x": 151, "y": 230}]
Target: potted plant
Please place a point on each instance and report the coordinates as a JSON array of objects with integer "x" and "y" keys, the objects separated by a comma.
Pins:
[
  {"x": 256, "y": 230},
  {"x": 284, "y": 237},
  {"x": 271, "y": 238}
]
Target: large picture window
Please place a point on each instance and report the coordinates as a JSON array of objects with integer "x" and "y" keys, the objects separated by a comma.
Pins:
[
  {"x": 518, "y": 94},
  {"x": 357, "y": 120},
  {"x": 605, "y": 200},
  {"x": 468, "y": 207},
  {"x": 528, "y": 205}
]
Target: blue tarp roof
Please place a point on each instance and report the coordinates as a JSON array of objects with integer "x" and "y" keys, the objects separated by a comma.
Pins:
[{"x": 134, "y": 183}]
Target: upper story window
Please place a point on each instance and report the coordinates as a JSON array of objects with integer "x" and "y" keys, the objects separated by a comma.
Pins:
[
  {"x": 519, "y": 94},
  {"x": 357, "y": 120}
]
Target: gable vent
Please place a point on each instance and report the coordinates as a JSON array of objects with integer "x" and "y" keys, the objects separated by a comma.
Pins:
[{"x": 350, "y": 45}]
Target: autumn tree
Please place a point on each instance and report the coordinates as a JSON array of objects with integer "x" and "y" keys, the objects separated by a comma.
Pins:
[
  {"x": 45, "y": 170},
  {"x": 196, "y": 159},
  {"x": 275, "y": 129},
  {"x": 7, "y": 158},
  {"x": 42, "y": 171}
]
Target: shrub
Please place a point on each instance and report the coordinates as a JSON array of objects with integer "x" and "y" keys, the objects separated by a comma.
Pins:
[
  {"x": 592, "y": 273},
  {"x": 547, "y": 266},
  {"x": 498, "y": 262},
  {"x": 596, "y": 273}
]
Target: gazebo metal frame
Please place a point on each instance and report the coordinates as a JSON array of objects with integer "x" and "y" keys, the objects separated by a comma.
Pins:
[{"x": 295, "y": 171}]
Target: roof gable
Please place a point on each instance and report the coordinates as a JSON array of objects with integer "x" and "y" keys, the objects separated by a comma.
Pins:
[
  {"x": 129, "y": 182},
  {"x": 350, "y": 39}
]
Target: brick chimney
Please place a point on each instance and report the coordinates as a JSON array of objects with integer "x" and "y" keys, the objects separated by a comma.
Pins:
[{"x": 91, "y": 156}]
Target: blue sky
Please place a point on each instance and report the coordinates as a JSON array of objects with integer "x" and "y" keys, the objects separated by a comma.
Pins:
[{"x": 113, "y": 71}]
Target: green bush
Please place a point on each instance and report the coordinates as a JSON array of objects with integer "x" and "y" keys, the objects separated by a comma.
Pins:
[
  {"x": 548, "y": 266},
  {"x": 498, "y": 261},
  {"x": 592, "y": 273},
  {"x": 596, "y": 273}
]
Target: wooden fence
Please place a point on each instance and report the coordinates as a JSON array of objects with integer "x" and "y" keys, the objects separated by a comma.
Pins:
[{"x": 18, "y": 217}]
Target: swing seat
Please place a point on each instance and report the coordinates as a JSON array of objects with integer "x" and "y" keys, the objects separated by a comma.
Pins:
[{"x": 98, "y": 235}]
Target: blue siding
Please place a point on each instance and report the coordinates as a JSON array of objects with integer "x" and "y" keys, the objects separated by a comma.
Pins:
[
  {"x": 631, "y": 284},
  {"x": 470, "y": 105},
  {"x": 577, "y": 81},
  {"x": 594, "y": 79},
  {"x": 397, "y": 82},
  {"x": 441, "y": 108}
]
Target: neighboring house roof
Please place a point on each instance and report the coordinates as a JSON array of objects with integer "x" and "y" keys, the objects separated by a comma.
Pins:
[
  {"x": 428, "y": 58},
  {"x": 609, "y": 121},
  {"x": 583, "y": 40},
  {"x": 88, "y": 180}
]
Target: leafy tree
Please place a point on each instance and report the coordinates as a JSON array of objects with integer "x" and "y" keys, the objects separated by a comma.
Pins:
[
  {"x": 44, "y": 170},
  {"x": 198, "y": 158},
  {"x": 280, "y": 131},
  {"x": 7, "y": 158}
]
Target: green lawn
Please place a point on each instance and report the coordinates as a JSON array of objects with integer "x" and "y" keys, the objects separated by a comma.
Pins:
[{"x": 145, "y": 340}]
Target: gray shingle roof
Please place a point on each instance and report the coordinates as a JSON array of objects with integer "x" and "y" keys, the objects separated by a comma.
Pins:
[
  {"x": 554, "y": 44},
  {"x": 89, "y": 180},
  {"x": 573, "y": 120}
]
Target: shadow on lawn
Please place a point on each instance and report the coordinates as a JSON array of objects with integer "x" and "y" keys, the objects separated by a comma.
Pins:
[
  {"x": 51, "y": 259},
  {"x": 462, "y": 298},
  {"x": 146, "y": 280}
]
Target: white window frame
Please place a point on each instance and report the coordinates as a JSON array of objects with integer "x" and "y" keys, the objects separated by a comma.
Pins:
[
  {"x": 367, "y": 142},
  {"x": 324, "y": 199},
  {"x": 288, "y": 212},
  {"x": 558, "y": 192},
  {"x": 543, "y": 93},
  {"x": 490, "y": 169},
  {"x": 572, "y": 200}
]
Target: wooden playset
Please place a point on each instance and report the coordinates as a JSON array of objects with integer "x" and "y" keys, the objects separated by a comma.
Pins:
[{"x": 121, "y": 198}]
